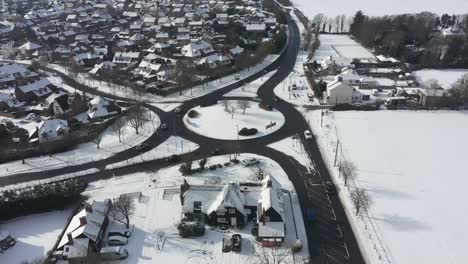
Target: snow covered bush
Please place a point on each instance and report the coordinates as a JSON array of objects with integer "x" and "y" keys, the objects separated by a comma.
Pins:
[
  {"x": 297, "y": 246},
  {"x": 189, "y": 229}
]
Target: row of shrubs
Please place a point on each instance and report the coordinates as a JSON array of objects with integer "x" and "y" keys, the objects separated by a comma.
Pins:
[
  {"x": 40, "y": 198},
  {"x": 191, "y": 228},
  {"x": 186, "y": 168}
]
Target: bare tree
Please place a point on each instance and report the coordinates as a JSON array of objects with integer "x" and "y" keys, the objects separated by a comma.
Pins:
[
  {"x": 260, "y": 173},
  {"x": 318, "y": 20},
  {"x": 361, "y": 200},
  {"x": 136, "y": 119},
  {"x": 432, "y": 86},
  {"x": 225, "y": 104},
  {"x": 232, "y": 110},
  {"x": 348, "y": 171},
  {"x": 342, "y": 22},
  {"x": 97, "y": 140},
  {"x": 118, "y": 127},
  {"x": 122, "y": 209},
  {"x": 337, "y": 23},
  {"x": 267, "y": 255},
  {"x": 243, "y": 104},
  {"x": 460, "y": 90}
]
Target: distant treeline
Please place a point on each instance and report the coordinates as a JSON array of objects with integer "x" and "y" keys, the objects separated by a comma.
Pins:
[{"x": 424, "y": 39}]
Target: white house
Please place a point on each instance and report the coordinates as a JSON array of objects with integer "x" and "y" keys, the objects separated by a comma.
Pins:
[
  {"x": 52, "y": 130},
  {"x": 338, "y": 92},
  {"x": 197, "y": 49}
]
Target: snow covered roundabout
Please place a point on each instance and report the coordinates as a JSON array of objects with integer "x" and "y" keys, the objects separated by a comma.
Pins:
[{"x": 234, "y": 120}]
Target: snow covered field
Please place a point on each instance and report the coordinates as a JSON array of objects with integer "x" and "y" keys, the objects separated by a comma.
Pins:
[
  {"x": 85, "y": 152},
  {"x": 214, "y": 122},
  {"x": 377, "y": 8},
  {"x": 155, "y": 237},
  {"x": 445, "y": 77},
  {"x": 35, "y": 235},
  {"x": 412, "y": 164},
  {"x": 342, "y": 47}
]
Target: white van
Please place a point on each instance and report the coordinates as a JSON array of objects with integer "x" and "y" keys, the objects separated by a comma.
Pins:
[{"x": 113, "y": 253}]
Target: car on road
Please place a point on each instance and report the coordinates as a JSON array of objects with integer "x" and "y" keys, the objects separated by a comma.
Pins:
[
  {"x": 308, "y": 134},
  {"x": 216, "y": 151},
  {"x": 249, "y": 162},
  {"x": 113, "y": 253},
  {"x": 330, "y": 187},
  {"x": 142, "y": 147},
  {"x": 236, "y": 242},
  {"x": 163, "y": 126},
  {"x": 178, "y": 110},
  {"x": 173, "y": 158},
  {"x": 117, "y": 241}
]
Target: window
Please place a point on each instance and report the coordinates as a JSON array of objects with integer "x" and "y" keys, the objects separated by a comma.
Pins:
[
  {"x": 220, "y": 213},
  {"x": 232, "y": 211},
  {"x": 222, "y": 220},
  {"x": 267, "y": 219},
  {"x": 196, "y": 207}
]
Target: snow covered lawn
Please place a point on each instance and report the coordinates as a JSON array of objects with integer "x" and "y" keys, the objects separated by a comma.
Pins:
[
  {"x": 250, "y": 89},
  {"x": 445, "y": 77},
  {"x": 86, "y": 152},
  {"x": 155, "y": 238},
  {"x": 214, "y": 122},
  {"x": 412, "y": 164},
  {"x": 35, "y": 235},
  {"x": 292, "y": 146},
  {"x": 171, "y": 146},
  {"x": 378, "y": 8}
]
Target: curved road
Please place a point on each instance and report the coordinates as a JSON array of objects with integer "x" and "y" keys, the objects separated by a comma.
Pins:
[{"x": 330, "y": 237}]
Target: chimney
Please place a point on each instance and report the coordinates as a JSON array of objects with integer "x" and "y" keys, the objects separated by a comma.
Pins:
[
  {"x": 70, "y": 238},
  {"x": 269, "y": 184},
  {"x": 89, "y": 208},
  {"x": 340, "y": 79},
  {"x": 82, "y": 220}
]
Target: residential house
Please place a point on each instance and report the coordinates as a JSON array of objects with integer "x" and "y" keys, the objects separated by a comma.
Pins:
[
  {"x": 29, "y": 49},
  {"x": 337, "y": 93},
  {"x": 197, "y": 49},
  {"x": 435, "y": 98},
  {"x": 270, "y": 214},
  {"x": 101, "y": 108},
  {"x": 51, "y": 130},
  {"x": 34, "y": 91},
  {"x": 126, "y": 57},
  {"x": 85, "y": 233},
  {"x": 9, "y": 103},
  {"x": 68, "y": 105}
]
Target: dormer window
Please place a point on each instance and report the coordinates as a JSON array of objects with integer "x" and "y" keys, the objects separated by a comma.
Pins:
[{"x": 197, "y": 206}]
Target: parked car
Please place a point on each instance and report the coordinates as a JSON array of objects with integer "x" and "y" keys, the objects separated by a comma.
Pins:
[
  {"x": 142, "y": 147},
  {"x": 227, "y": 244},
  {"x": 163, "y": 126},
  {"x": 173, "y": 158},
  {"x": 113, "y": 253},
  {"x": 249, "y": 162},
  {"x": 236, "y": 242},
  {"x": 178, "y": 110},
  {"x": 6, "y": 240},
  {"x": 237, "y": 77},
  {"x": 121, "y": 231},
  {"x": 307, "y": 134},
  {"x": 331, "y": 189},
  {"x": 117, "y": 241}
]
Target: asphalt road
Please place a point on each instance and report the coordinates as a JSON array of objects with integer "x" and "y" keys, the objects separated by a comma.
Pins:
[{"x": 330, "y": 236}]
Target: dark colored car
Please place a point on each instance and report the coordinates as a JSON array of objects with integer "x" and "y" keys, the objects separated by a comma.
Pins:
[
  {"x": 173, "y": 158},
  {"x": 216, "y": 151},
  {"x": 330, "y": 188},
  {"x": 236, "y": 242},
  {"x": 163, "y": 126},
  {"x": 142, "y": 147}
]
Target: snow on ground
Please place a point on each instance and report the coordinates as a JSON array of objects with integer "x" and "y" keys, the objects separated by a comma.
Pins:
[
  {"x": 293, "y": 147},
  {"x": 340, "y": 46},
  {"x": 155, "y": 237},
  {"x": 35, "y": 235},
  {"x": 411, "y": 163},
  {"x": 196, "y": 91},
  {"x": 227, "y": 126},
  {"x": 86, "y": 152},
  {"x": 250, "y": 89},
  {"x": 378, "y": 8},
  {"x": 445, "y": 77},
  {"x": 172, "y": 146}
]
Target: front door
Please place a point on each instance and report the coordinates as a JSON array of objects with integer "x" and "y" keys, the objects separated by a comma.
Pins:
[{"x": 233, "y": 221}]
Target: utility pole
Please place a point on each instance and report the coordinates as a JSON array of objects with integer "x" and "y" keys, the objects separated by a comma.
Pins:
[
  {"x": 336, "y": 152},
  {"x": 321, "y": 118}
]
